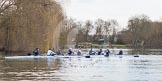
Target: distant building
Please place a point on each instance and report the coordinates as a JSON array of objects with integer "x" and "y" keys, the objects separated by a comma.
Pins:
[{"x": 101, "y": 41}]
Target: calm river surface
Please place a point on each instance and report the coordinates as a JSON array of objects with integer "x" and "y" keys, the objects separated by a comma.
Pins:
[{"x": 97, "y": 68}]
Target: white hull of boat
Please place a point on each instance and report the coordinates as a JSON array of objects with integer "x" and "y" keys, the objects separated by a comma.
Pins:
[{"x": 29, "y": 57}]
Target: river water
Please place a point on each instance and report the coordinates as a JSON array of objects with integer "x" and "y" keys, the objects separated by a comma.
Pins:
[{"x": 97, "y": 68}]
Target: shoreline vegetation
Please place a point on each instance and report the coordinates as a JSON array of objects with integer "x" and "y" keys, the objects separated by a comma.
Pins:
[
  {"x": 119, "y": 46},
  {"x": 44, "y": 25}
]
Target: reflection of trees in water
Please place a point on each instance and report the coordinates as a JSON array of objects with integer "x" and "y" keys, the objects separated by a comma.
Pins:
[
  {"x": 31, "y": 64},
  {"x": 29, "y": 69},
  {"x": 53, "y": 63}
]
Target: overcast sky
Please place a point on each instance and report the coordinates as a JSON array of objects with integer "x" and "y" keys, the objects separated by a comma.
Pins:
[{"x": 121, "y": 10}]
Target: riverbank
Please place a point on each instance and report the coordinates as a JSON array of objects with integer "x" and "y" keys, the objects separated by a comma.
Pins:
[{"x": 119, "y": 46}]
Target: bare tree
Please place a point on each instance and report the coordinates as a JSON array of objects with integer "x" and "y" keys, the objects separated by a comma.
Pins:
[
  {"x": 139, "y": 27},
  {"x": 88, "y": 27},
  {"x": 113, "y": 30},
  {"x": 99, "y": 24},
  {"x": 107, "y": 27}
]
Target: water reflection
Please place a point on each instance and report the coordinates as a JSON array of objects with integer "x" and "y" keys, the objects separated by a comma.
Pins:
[
  {"x": 128, "y": 68},
  {"x": 29, "y": 69}
]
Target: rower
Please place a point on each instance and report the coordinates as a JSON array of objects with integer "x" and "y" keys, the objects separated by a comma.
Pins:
[
  {"x": 120, "y": 52},
  {"x": 107, "y": 53},
  {"x": 70, "y": 52},
  {"x": 36, "y": 52},
  {"x": 91, "y": 52},
  {"x": 50, "y": 53},
  {"x": 79, "y": 52},
  {"x": 59, "y": 52},
  {"x": 100, "y": 52}
]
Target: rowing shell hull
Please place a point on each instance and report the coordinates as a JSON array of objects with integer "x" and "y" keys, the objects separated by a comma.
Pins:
[{"x": 30, "y": 57}]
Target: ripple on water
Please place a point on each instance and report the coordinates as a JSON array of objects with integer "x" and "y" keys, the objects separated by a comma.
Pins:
[{"x": 128, "y": 68}]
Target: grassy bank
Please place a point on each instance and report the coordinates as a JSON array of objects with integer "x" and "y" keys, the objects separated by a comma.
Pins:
[{"x": 102, "y": 46}]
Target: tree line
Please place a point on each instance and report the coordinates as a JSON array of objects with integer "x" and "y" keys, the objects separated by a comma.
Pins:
[
  {"x": 89, "y": 31},
  {"x": 140, "y": 32}
]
